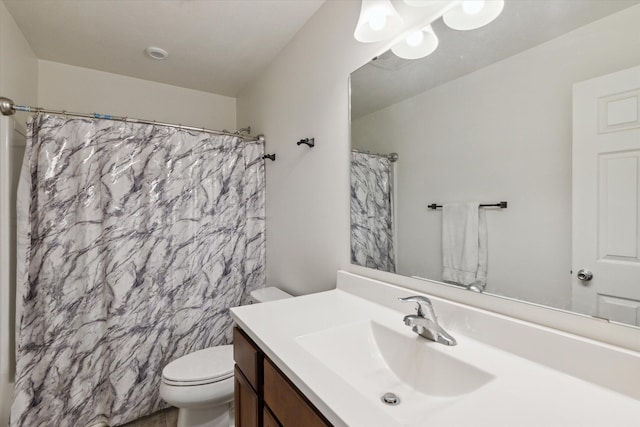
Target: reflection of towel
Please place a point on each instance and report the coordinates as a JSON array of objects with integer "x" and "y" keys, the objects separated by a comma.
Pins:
[{"x": 464, "y": 244}]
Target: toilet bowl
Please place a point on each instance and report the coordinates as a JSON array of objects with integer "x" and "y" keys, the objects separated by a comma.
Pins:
[{"x": 200, "y": 384}]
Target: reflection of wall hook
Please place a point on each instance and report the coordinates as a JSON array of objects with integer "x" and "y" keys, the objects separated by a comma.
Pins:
[
  {"x": 309, "y": 141},
  {"x": 271, "y": 157}
]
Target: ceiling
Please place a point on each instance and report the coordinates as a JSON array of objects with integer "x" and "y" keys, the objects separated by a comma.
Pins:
[
  {"x": 217, "y": 46},
  {"x": 522, "y": 25}
]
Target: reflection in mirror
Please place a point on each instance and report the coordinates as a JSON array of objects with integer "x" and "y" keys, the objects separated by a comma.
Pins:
[
  {"x": 372, "y": 195},
  {"x": 500, "y": 114}
]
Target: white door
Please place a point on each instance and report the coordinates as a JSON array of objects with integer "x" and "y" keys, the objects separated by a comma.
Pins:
[{"x": 606, "y": 199}]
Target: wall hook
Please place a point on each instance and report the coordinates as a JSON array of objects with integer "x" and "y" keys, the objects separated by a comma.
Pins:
[
  {"x": 309, "y": 141},
  {"x": 271, "y": 157}
]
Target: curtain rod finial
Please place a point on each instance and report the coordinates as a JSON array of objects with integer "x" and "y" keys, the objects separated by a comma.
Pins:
[{"x": 6, "y": 106}]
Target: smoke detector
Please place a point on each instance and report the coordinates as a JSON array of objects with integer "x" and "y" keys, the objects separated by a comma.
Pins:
[{"x": 156, "y": 53}]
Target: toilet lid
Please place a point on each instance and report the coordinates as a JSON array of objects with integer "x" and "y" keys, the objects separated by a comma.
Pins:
[{"x": 202, "y": 366}]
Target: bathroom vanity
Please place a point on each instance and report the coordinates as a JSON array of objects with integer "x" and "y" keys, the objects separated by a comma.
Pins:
[
  {"x": 345, "y": 358},
  {"x": 263, "y": 394}
]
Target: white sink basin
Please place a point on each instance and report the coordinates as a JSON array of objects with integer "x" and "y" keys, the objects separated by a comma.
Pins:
[{"x": 375, "y": 359}]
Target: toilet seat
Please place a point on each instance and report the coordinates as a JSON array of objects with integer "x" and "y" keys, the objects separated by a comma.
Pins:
[{"x": 210, "y": 365}]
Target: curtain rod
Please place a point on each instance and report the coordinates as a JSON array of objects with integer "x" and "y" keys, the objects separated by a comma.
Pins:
[{"x": 8, "y": 108}]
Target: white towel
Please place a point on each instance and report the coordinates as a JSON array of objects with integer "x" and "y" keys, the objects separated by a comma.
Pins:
[{"x": 464, "y": 244}]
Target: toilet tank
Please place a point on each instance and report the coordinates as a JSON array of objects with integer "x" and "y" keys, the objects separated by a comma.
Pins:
[{"x": 268, "y": 294}]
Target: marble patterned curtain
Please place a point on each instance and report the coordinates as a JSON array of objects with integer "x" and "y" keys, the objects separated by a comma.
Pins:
[
  {"x": 139, "y": 239},
  {"x": 372, "y": 211}
]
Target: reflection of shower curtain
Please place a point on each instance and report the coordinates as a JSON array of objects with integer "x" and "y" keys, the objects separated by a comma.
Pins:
[
  {"x": 141, "y": 238},
  {"x": 371, "y": 211}
]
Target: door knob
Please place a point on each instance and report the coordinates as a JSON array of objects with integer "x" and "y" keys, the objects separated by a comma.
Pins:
[{"x": 585, "y": 275}]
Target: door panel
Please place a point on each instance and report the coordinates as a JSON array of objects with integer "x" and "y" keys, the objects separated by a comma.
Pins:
[{"x": 606, "y": 195}]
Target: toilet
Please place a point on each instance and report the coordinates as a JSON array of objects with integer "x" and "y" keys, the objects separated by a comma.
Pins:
[{"x": 200, "y": 384}]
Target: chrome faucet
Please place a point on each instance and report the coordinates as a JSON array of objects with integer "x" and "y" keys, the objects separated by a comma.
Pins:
[{"x": 425, "y": 323}]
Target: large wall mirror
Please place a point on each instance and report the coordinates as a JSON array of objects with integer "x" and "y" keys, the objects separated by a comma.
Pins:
[{"x": 540, "y": 109}]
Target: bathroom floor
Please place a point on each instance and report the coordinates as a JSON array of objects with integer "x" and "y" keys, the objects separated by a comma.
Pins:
[{"x": 164, "y": 418}]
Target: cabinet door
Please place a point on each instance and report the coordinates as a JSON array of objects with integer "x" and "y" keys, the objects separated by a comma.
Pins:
[
  {"x": 248, "y": 358},
  {"x": 246, "y": 402},
  {"x": 289, "y": 406},
  {"x": 268, "y": 419}
]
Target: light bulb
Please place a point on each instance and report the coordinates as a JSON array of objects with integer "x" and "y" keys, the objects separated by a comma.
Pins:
[
  {"x": 472, "y": 7},
  {"x": 377, "y": 19},
  {"x": 417, "y": 44},
  {"x": 414, "y": 39},
  {"x": 472, "y": 14}
]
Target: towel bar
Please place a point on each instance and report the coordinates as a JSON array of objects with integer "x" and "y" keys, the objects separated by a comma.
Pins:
[{"x": 501, "y": 205}]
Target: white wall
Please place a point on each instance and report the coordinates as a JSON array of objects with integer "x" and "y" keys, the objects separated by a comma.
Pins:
[
  {"x": 67, "y": 87},
  {"x": 18, "y": 81},
  {"x": 304, "y": 94},
  {"x": 500, "y": 133},
  {"x": 18, "y": 63}
]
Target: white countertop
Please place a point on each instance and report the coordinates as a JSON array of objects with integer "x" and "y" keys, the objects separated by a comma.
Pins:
[{"x": 522, "y": 392}]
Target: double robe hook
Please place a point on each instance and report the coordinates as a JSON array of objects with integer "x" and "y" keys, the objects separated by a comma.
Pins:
[{"x": 308, "y": 141}]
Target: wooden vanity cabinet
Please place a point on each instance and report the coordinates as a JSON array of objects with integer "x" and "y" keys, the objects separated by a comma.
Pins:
[
  {"x": 264, "y": 396},
  {"x": 247, "y": 405}
]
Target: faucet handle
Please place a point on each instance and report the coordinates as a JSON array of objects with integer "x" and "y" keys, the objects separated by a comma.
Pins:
[{"x": 425, "y": 308}]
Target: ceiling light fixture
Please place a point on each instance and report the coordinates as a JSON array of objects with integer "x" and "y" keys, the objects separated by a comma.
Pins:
[
  {"x": 156, "y": 53},
  {"x": 378, "y": 21},
  {"x": 472, "y": 14},
  {"x": 417, "y": 44}
]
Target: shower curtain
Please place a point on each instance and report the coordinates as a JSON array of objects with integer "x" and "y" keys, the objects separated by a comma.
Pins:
[
  {"x": 140, "y": 238},
  {"x": 372, "y": 211}
]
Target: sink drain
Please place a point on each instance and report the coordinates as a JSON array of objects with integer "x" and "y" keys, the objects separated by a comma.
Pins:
[{"x": 390, "y": 399}]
